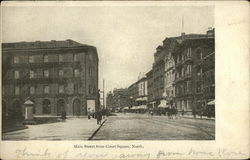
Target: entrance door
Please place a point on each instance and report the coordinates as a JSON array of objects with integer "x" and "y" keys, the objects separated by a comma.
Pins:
[
  {"x": 76, "y": 107},
  {"x": 60, "y": 106}
]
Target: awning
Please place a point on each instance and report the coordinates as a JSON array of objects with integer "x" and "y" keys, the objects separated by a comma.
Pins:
[
  {"x": 211, "y": 102},
  {"x": 163, "y": 104},
  {"x": 141, "y": 99}
]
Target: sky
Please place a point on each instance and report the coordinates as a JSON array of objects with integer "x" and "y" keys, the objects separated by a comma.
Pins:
[{"x": 126, "y": 37}]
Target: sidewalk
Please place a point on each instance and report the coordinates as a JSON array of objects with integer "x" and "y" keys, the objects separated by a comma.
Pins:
[
  {"x": 71, "y": 129},
  {"x": 198, "y": 117}
]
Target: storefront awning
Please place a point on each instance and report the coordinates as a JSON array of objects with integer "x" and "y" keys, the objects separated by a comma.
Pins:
[
  {"x": 163, "y": 104},
  {"x": 141, "y": 99},
  {"x": 211, "y": 102}
]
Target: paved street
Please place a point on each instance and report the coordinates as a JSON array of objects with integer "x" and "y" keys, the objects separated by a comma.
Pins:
[
  {"x": 71, "y": 129},
  {"x": 131, "y": 126}
]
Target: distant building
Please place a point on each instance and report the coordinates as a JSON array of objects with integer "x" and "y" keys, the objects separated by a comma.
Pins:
[
  {"x": 56, "y": 76},
  {"x": 133, "y": 93},
  {"x": 150, "y": 89},
  {"x": 120, "y": 98},
  {"x": 110, "y": 100},
  {"x": 158, "y": 75},
  {"x": 169, "y": 76}
]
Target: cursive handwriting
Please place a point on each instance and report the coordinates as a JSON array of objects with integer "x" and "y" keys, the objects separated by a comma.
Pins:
[
  {"x": 162, "y": 154},
  {"x": 25, "y": 153}
]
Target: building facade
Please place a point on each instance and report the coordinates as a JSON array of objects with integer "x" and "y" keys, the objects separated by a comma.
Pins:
[
  {"x": 110, "y": 100},
  {"x": 56, "y": 76},
  {"x": 150, "y": 89},
  {"x": 120, "y": 98},
  {"x": 189, "y": 70}
]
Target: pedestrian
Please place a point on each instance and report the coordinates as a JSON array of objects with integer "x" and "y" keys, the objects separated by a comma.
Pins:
[
  {"x": 182, "y": 112},
  {"x": 99, "y": 117},
  {"x": 63, "y": 115}
]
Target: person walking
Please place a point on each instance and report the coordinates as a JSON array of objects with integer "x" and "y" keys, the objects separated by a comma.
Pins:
[{"x": 99, "y": 117}]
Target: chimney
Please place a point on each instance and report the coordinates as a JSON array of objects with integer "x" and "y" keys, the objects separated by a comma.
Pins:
[
  {"x": 210, "y": 31},
  {"x": 183, "y": 35}
]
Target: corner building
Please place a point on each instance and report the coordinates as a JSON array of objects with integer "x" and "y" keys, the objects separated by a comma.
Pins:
[{"x": 55, "y": 75}]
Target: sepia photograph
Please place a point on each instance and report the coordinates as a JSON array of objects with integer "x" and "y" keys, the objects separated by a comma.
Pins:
[
  {"x": 110, "y": 73},
  {"x": 143, "y": 73}
]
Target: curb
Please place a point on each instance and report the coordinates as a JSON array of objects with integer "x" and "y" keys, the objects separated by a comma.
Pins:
[
  {"x": 90, "y": 138},
  {"x": 14, "y": 129},
  {"x": 199, "y": 118}
]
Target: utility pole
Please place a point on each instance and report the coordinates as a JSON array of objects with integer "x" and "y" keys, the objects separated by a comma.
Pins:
[{"x": 103, "y": 96}]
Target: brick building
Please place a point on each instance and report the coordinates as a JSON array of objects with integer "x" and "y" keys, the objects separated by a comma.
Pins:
[
  {"x": 189, "y": 70},
  {"x": 55, "y": 75}
]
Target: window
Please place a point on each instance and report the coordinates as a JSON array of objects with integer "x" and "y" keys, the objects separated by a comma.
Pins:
[
  {"x": 189, "y": 53},
  {"x": 46, "y": 73},
  {"x": 32, "y": 90},
  {"x": 60, "y": 58},
  {"x": 31, "y": 59},
  {"x": 45, "y": 58},
  {"x": 16, "y": 74},
  {"x": 76, "y": 72},
  {"x": 188, "y": 86},
  {"x": 32, "y": 74},
  {"x": 17, "y": 90},
  {"x": 16, "y": 59},
  {"x": 199, "y": 71},
  {"x": 46, "y": 89},
  {"x": 199, "y": 87},
  {"x": 60, "y": 73},
  {"x": 199, "y": 53},
  {"x": 76, "y": 88},
  {"x": 75, "y": 57},
  {"x": 90, "y": 71},
  {"x": 61, "y": 89},
  {"x": 189, "y": 68},
  {"x": 90, "y": 89}
]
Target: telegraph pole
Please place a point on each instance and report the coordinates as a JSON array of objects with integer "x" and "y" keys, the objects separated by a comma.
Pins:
[{"x": 103, "y": 95}]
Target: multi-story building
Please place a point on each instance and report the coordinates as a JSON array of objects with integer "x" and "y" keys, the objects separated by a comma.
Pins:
[
  {"x": 150, "y": 89},
  {"x": 133, "y": 93},
  {"x": 158, "y": 75},
  {"x": 56, "y": 76},
  {"x": 120, "y": 98},
  {"x": 169, "y": 45},
  {"x": 188, "y": 70},
  {"x": 110, "y": 100},
  {"x": 208, "y": 74},
  {"x": 142, "y": 91}
]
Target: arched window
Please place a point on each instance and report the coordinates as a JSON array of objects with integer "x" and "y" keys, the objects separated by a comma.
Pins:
[{"x": 46, "y": 107}]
